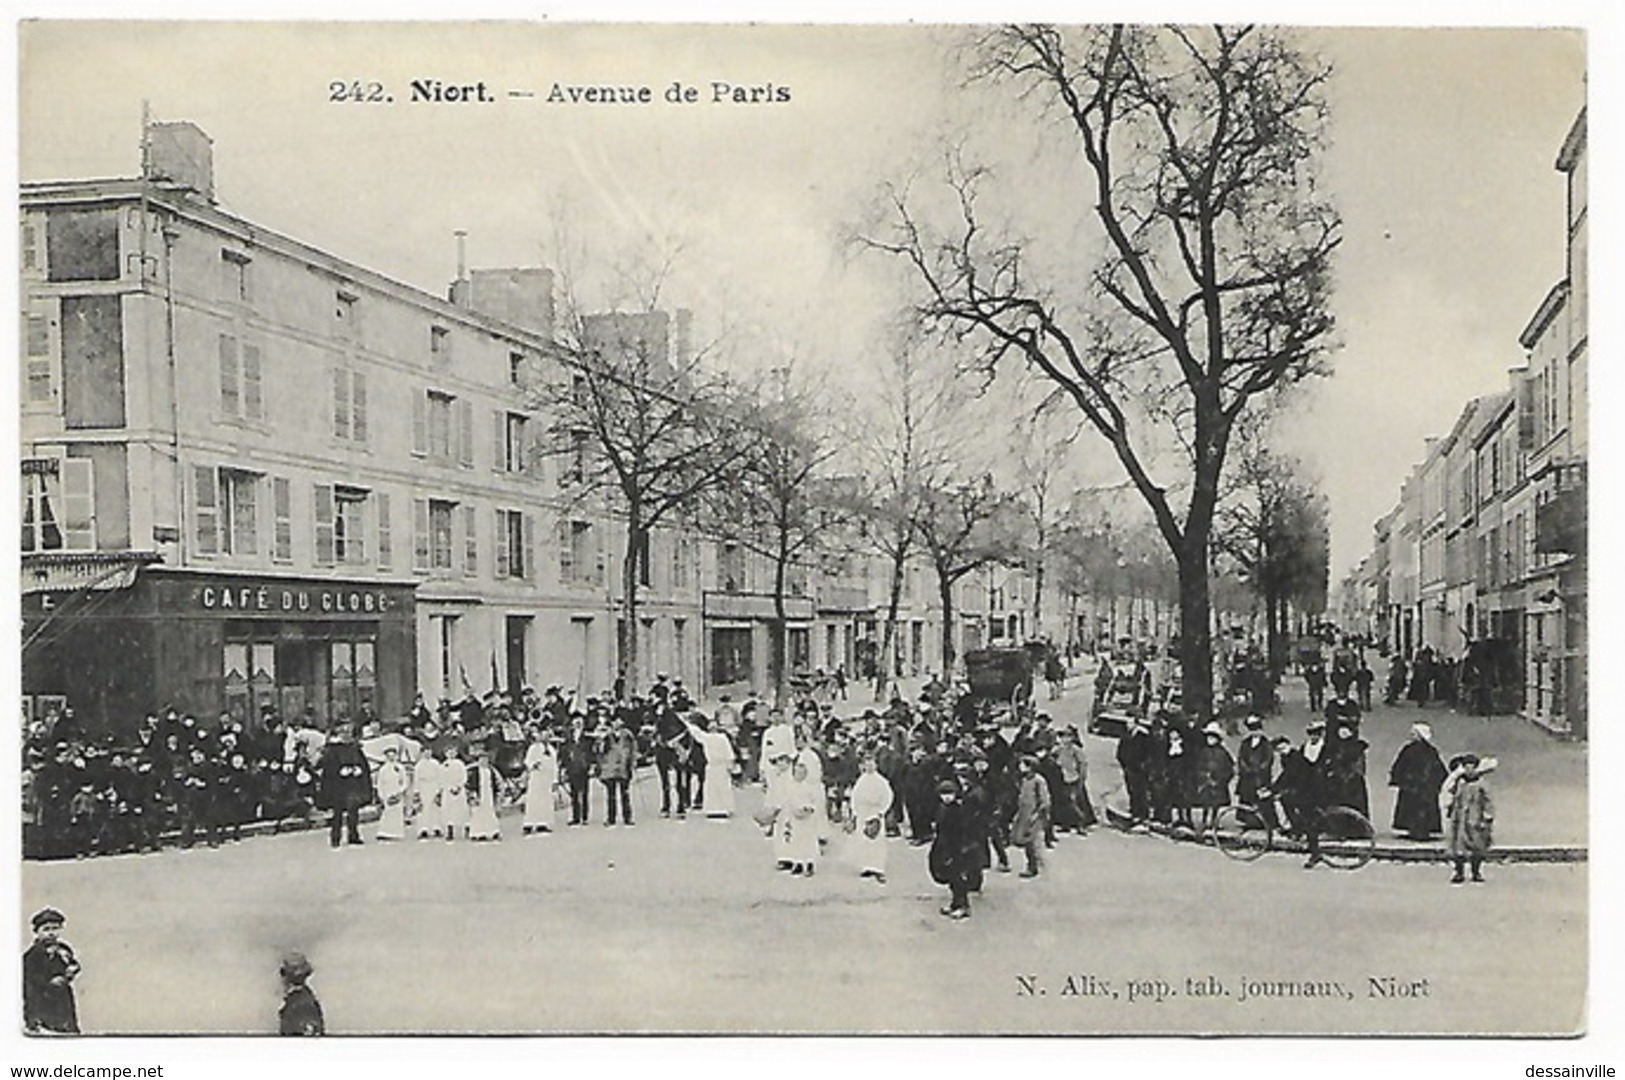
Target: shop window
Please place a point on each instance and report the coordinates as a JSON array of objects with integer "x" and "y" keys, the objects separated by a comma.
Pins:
[
  {"x": 352, "y": 680},
  {"x": 58, "y": 505}
]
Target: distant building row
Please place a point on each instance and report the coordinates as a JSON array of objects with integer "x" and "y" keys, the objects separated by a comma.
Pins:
[{"x": 1487, "y": 543}]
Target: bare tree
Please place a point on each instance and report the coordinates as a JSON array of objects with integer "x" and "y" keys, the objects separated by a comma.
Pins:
[
  {"x": 781, "y": 499},
  {"x": 1272, "y": 526},
  {"x": 1197, "y": 150},
  {"x": 639, "y": 423},
  {"x": 963, "y": 525}
]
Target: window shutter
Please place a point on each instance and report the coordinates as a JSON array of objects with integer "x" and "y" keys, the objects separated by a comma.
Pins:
[
  {"x": 595, "y": 539},
  {"x": 358, "y": 406},
  {"x": 39, "y": 358},
  {"x": 420, "y": 423},
  {"x": 471, "y": 542},
  {"x": 253, "y": 388},
  {"x": 386, "y": 551},
  {"x": 206, "y": 509},
  {"x": 230, "y": 399},
  {"x": 527, "y": 552},
  {"x": 499, "y": 441},
  {"x": 78, "y": 505},
  {"x": 465, "y": 432},
  {"x": 420, "y": 535},
  {"x": 502, "y": 544},
  {"x": 341, "y": 403},
  {"x": 282, "y": 511},
  {"x": 324, "y": 524}
]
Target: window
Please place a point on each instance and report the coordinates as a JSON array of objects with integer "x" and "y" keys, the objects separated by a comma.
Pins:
[
  {"x": 440, "y": 533},
  {"x": 349, "y": 525},
  {"x": 731, "y": 568},
  {"x": 41, "y": 381},
  {"x": 386, "y": 553},
  {"x": 516, "y": 368},
  {"x": 512, "y": 449},
  {"x": 645, "y": 577},
  {"x": 282, "y": 515},
  {"x": 579, "y": 558},
  {"x": 349, "y": 405},
  {"x": 82, "y": 245},
  {"x": 225, "y": 510},
  {"x": 344, "y": 313},
  {"x": 234, "y": 277},
  {"x": 443, "y": 428},
  {"x": 575, "y": 470},
  {"x": 242, "y": 394},
  {"x": 58, "y": 507},
  {"x": 515, "y": 538},
  {"x": 439, "y": 345}
]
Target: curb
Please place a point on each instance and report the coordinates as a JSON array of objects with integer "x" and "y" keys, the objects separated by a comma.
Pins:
[{"x": 1385, "y": 852}]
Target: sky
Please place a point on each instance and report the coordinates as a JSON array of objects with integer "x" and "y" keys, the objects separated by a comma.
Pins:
[{"x": 1441, "y": 166}]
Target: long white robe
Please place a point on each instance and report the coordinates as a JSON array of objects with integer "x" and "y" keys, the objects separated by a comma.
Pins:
[
  {"x": 799, "y": 821},
  {"x": 815, "y": 776},
  {"x": 454, "y": 796},
  {"x": 541, "y": 777},
  {"x": 391, "y": 785},
  {"x": 426, "y": 796},
  {"x": 482, "y": 804},
  {"x": 719, "y": 763},
  {"x": 871, "y": 799}
]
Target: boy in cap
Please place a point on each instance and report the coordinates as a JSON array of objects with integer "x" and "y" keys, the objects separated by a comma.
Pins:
[
  {"x": 301, "y": 1013},
  {"x": 49, "y": 968}
]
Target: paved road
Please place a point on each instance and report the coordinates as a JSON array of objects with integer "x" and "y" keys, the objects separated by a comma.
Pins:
[{"x": 684, "y": 926}]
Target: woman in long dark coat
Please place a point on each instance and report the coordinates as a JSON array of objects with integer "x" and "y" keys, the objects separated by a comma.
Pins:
[
  {"x": 1213, "y": 771},
  {"x": 1419, "y": 773},
  {"x": 1345, "y": 771}
]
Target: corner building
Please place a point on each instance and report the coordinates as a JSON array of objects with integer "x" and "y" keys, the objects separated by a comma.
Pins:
[{"x": 255, "y": 474}]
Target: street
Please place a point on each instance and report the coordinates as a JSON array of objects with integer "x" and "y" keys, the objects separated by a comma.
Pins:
[{"x": 683, "y": 926}]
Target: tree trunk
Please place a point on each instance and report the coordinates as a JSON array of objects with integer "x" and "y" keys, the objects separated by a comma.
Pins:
[
  {"x": 1195, "y": 630},
  {"x": 946, "y": 587},
  {"x": 1037, "y": 628},
  {"x": 778, "y": 645},
  {"x": 888, "y": 642},
  {"x": 629, "y": 659}
]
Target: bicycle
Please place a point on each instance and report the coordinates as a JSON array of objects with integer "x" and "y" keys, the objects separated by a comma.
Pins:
[{"x": 1347, "y": 839}]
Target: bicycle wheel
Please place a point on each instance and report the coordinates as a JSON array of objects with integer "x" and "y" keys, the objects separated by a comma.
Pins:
[
  {"x": 1347, "y": 840},
  {"x": 1241, "y": 832}
]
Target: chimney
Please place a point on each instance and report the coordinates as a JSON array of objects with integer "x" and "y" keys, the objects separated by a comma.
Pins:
[
  {"x": 181, "y": 154},
  {"x": 459, "y": 292}
]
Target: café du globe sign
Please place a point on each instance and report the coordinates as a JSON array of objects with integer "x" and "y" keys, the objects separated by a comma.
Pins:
[{"x": 215, "y": 643}]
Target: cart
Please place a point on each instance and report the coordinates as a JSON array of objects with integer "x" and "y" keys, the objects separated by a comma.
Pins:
[{"x": 1001, "y": 680}]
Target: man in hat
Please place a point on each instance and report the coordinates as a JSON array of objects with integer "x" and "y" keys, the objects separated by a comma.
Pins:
[
  {"x": 955, "y": 859},
  {"x": 1134, "y": 751},
  {"x": 1032, "y": 814},
  {"x": 301, "y": 1013},
  {"x": 1316, "y": 790},
  {"x": 345, "y": 785},
  {"x": 1255, "y": 762},
  {"x": 49, "y": 968}
]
